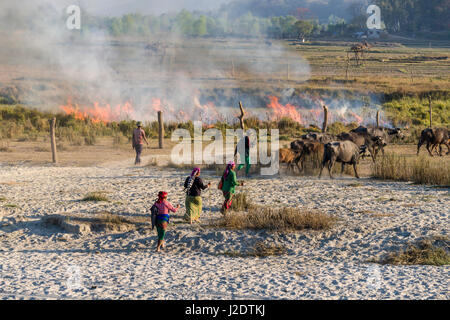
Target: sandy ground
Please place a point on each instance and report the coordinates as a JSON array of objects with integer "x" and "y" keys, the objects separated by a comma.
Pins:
[{"x": 375, "y": 217}]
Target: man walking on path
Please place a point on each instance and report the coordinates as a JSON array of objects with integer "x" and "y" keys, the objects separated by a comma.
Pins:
[{"x": 138, "y": 142}]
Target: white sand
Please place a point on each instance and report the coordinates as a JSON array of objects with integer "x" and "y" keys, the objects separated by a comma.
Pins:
[{"x": 35, "y": 261}]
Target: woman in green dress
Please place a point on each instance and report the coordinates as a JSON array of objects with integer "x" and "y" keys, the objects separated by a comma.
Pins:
[{"x": 228, "y": 185}]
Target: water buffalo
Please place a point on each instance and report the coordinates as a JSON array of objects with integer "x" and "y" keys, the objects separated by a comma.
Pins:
[
  {"x": 290, "y": 157},
  {"x": 345, "y": 152},
  {"x": 311, "y": 148},
  {"x": 387, "y": 134},
  {"x": 297, "y": 145},
  {"x": 434, "y": 138},
  {"x": 319, "y": 137},
  {"x": 373, "y": 143}
]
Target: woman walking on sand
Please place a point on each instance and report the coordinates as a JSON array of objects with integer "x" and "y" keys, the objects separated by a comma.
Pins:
[
  {"x": 194, "y": 186},
  {"x": 163, "y": 217},
  {"x": 228, "y": 184}
]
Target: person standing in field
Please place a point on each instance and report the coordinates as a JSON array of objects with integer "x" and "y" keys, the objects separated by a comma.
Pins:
[
  {"x": 163, "y": 217},
  {"x": 194, "y": 186},
  {"x": 138, "y": 142},
  {"x": 244, "y": 145},
  {"x": 228, "y": 184}
]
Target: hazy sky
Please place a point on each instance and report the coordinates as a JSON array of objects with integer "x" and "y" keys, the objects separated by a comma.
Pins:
[{"x": 119, "y": 7}]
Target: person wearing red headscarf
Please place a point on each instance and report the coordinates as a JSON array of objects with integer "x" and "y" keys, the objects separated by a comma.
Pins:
[{"x": 163, "y": 217}]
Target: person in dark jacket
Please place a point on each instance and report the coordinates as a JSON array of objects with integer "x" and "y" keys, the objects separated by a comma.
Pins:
[{"x": 194, "y": 186}]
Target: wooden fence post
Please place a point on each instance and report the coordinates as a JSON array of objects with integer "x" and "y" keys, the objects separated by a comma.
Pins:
[
  {"x": 161, "y": 130},
  {"x": 325, "y": 119},
  {"x": 52, "y": 123},
  {"x": 378, "y": 119},
  {"x": 241, "y": 117},
  {"x": 431, "y": 111}
]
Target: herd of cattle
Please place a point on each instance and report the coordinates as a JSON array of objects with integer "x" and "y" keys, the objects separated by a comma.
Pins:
[{"x": 349, "y": 147}]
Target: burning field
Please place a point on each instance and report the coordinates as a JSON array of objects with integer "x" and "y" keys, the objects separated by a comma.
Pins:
[
  {"x": 80, "y": 227},
  {"x": 308, "y": 111}
]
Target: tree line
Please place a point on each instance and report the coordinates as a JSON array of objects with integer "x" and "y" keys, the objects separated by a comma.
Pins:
[{"x": 399, "y": 16}]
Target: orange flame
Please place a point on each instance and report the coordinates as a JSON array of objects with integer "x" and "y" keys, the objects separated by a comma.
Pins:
[
  {"x": 208, "y": 111},
  {"x": 358, "y": 118},
  {"x": 98, "y": 113},
  {"x": 281, "y": 111}
]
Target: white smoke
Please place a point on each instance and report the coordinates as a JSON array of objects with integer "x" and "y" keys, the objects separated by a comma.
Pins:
[{"x": 90, "y": 66}]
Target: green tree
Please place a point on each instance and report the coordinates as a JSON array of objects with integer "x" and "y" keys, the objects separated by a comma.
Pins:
[
  {"x": 184, "y": 22},
  {"x": 199, "y": 27},
  {"x": 116, "y": 28},
  {"x": 303, "y": 28}
]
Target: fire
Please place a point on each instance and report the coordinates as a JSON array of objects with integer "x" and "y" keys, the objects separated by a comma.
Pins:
[
  {"x": 358, "y": 118},
  {"x": 157, "y": 104},
  {"x": 208, "y": 111},
  {"x": 281, "y": 111},
  {"x": 98, "y": 113}
]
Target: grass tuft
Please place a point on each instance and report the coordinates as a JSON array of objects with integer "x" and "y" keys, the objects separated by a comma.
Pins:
[
  {"x": 96, "y": 197},
  {"x": 433, "y": 252},
  {"x": 260, "y": 249}
]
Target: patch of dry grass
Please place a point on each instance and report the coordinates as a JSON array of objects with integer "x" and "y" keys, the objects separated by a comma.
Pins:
[
  {"x": 260, "y": 250},
  {"x": 256, "y": 217},
  {"x": 42, "y": 149},
  {"x": 97, "y": 196},
  {"x": 433, "y": 251},
  {"x": 241, "y": 202},
  {"x": 421, "y": 170},
  {"x": 4, "y": 146}
]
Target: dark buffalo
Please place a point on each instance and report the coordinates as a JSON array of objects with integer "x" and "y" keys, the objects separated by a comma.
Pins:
[
  {"x": 345, "y": 152},
  {"x": 311, "y": 148},
  {"x": 387, "y": 134},
  {"x": 297, "y": 145},
  {"x": 319, "y": 137},
  {"x": 372, "y": 143},
  {"x": 434, "y": 138}
]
